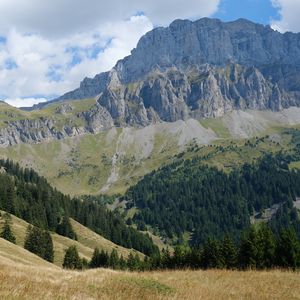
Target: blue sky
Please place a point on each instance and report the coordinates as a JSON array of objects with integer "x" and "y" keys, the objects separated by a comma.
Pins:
[
  {"x": 41, "y": 58},
  {"x": 260, "y": 11}
]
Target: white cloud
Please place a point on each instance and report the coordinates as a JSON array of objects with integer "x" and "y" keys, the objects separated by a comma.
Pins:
[
  {"x": 52, "y": 45},
  {"x": 57, "y": 18},
  {"x": 36, "y": 56},
  {"x": 289, "y": 15},
  {"x": 25, "y": 102}
]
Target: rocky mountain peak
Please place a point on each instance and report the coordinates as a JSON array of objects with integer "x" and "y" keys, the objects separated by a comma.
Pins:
[{"x": 199, "y": 69}]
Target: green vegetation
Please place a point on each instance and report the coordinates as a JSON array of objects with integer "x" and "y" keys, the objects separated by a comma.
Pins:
[
  {"x": 30, "y": 197},
  {"x": 7, "y": 233},
  {"x": 72, "y": 259},
  {"x": 40, "y": 243},
  {"x": 190, "y": 196}
]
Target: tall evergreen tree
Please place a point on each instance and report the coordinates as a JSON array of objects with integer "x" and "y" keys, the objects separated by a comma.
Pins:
[
  {"x": 72, "y": 259},
  {"x": 248, "y": 250},
  {"x": 229, "y": 253},
  {"x": 267, "y": 247},
  {"x": 39, "y": 242},
  {"x": 212, "y": 255},
  {"x": 7, "y": 233},
  {"x": 288, "y": 249},
  {"x": 114, "y": 260},
  {"x": 65, "y": 228}
]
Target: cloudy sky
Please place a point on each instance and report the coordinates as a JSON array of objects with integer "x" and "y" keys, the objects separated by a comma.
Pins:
[{"x": 48, "y": 47}]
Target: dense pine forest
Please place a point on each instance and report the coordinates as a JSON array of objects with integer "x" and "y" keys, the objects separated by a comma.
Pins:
[
  {"x": 188, "y": 196},
  {"x": 258, "y": 248},
  {"x": 30, "y": 197}
]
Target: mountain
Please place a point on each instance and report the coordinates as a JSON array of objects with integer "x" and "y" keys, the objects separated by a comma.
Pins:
[
  {"x": 192, "y": 82},
  {"x": 202, "y": 69},
  {"x": 199, "y": 70}
]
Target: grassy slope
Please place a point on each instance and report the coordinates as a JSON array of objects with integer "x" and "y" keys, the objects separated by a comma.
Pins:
[
  {"x": 13, "y": 253},
  {"x": 42, "y": 282},
  {"x": 87, "y": 240},
  {"x": 84, "y": 164},
  {"x": 10, "y": 113}
]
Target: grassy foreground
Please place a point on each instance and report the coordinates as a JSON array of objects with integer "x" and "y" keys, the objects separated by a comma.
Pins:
[{"x": 44, "y": 281}]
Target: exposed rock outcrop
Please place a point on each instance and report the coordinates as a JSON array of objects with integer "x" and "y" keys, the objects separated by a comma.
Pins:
[{"x": 188, "y": 70}]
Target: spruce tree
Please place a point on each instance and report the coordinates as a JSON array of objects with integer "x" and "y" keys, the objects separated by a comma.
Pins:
[
  {"x": 133, "y": 262},
  {"x": 114, "y": 259},
  {"x": 267, "y": 247},
  {"x": 65, "y": 228},
  {"x": 212, "y": 255},
  {"x": 95, "y": 262},
  {"x": 7, "y": 233},
  {"x": 229, "y": 253},
  {"x": 248, "y": 250},
  {"x": 288, "y": 249},
  {"x": 39, "y": 242},
  {"x": 72, "y": 259},
  {"x": 48, "y": 252}
]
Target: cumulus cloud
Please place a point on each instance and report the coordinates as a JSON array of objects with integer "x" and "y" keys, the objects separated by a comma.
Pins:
[
  {"x": 289, "y": 15},
  {"x": 57, "y": 18},
  {"x": 48, "y": 47},
  {"x": 25, "y": 102},
  {"x": 52, "y": 67}
]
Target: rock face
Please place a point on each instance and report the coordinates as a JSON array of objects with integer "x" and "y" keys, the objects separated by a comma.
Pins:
[
  {"x": 200, "y": 69},
  {"x": 188, "y": 70},
  {"x": 45, "y": 129}
]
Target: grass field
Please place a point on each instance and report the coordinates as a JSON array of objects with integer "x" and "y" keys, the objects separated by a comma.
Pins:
[
  {"x": 87, "y": 240},
  {"x": 41, "y": 281}
]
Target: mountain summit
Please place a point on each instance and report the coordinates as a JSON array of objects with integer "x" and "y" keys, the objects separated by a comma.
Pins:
[{"x": 199, "y": 69}]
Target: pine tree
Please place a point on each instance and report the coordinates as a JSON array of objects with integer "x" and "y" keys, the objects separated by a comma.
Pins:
[
  {"x": 133, "y": 262},
  {"x": 267, "y": 247},
  {"x": 7, "y": 233},
  {"x": 248, "y": 250},
  {"x": 95, "y": 262},
  {"x": 114, "y": 259},
  {"x": 72, "y": 259},
  {"x": 39, "y": 242},
  {"x": 212, "y": 255},
  {"x": 122, "y": 263},
  {"x": 179, "y": 257},
  {"x": 48, "y": 252},
  {"x": 288, "y": 249},
  {"x": 166, "y": 261},
  {"x": 229, "y": 253},
  {"x": 65, "y": 228}
]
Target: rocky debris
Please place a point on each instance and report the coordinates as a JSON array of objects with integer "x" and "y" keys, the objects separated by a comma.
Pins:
[{"x": 64, "y": 109}]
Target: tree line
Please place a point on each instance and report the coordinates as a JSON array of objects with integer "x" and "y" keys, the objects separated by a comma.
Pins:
[
  {"x": 29, "y": 196},
  {"x": 258, "y": 249}
]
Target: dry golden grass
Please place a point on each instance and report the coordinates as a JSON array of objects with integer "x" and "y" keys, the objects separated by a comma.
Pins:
[
  {"x": 87, "y": 240},
  {"x": 20, "y": 281},
  {"x": 92, "y": 240}
]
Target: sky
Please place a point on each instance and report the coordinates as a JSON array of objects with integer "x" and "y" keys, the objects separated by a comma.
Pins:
[{"x": 48, "y": 47}]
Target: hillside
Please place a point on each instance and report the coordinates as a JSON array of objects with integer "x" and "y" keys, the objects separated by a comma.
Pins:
[
  {"x": 87, "y": 241},
  {"x": 190, "y": 200},
  {"x": 30, "y": 197},
  {"x": 17, "y": 255},
  {"x": 44, "y": 282},
  {"x": 111, "y": 161}
]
